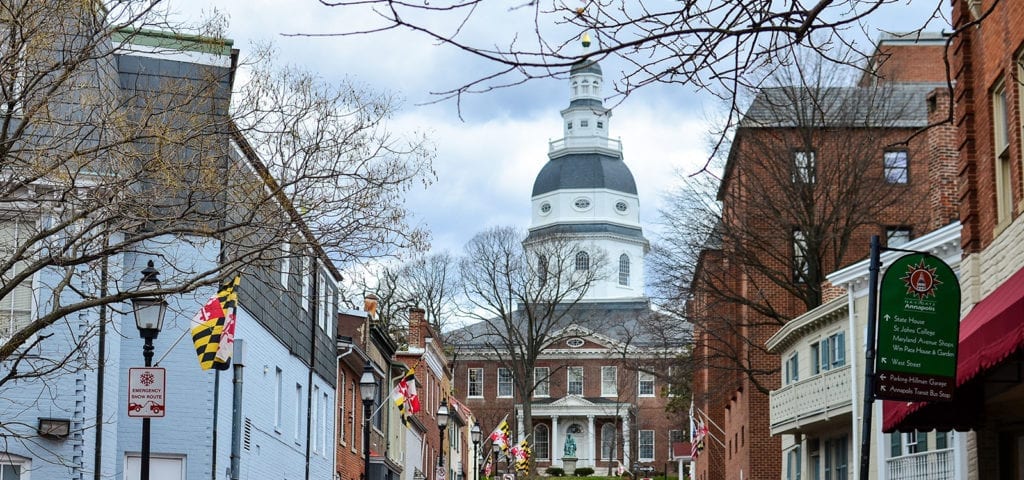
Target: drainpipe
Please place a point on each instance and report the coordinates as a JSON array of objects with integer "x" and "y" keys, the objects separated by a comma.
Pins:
[{"x": 337, "y": 366}]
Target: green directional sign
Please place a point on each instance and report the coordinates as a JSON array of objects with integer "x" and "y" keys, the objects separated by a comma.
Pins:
[{"x": 918, "y": 330}]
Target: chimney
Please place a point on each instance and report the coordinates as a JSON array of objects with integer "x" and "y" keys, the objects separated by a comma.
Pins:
[
  {"x": 370, "y": 306},
  {"x": 417, "y": 328}
]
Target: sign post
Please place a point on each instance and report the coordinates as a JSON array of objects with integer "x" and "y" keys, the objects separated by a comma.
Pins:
[
  {"x": 146, "y": 392},
  {"x": 918, "y": 330}
]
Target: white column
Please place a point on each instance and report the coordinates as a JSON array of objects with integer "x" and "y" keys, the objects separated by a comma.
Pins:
[
  {"x": 556, "y": 455},
  {"x": 521, "y": 431},
  {"x": 590, "y": 441},
  {"x": 625, "y": 442}
]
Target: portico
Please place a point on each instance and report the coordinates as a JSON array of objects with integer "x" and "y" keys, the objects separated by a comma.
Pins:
[{"x": 593, "y": 424}]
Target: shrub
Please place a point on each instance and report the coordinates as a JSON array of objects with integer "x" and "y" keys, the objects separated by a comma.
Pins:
[
  {"x": 555, "y": 471},
  {"x": 583, "y": 472}
]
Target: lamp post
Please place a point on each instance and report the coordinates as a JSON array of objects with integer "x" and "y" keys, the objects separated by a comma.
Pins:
[
  {"x": 149, "y": 309},
  {"x": 474, "y": 434},
  {"x": 368, "y": 391},
  {"x": 442, "y": 422},
  {"x": 497, "y": 451}
]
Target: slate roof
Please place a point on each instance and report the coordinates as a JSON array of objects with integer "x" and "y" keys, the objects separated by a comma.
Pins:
[
  {"x": 892, "y": 105},
  {"x": 585, "y": 170},
  {"x": 620, "y": 320},
  {"x": 585, "y": 66}
]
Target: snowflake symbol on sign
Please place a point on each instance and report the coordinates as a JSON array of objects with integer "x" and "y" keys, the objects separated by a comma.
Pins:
[{"x": 147, "y": 379}]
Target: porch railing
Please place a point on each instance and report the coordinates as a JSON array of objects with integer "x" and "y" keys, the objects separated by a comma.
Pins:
[{"x": 934, "y": 465}]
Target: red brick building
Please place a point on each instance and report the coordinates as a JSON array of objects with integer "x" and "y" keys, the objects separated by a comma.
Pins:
[
  {"x": 987, "y": 64},
  {"x": 809, "y": 139}
]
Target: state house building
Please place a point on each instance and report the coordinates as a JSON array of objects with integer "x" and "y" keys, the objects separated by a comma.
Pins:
[{"x": 603, "y": 381}]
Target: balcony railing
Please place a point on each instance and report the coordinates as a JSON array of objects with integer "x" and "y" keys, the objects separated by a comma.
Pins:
[
  {"x": 585, "y": 141},
  {"x": 817, "y": 398},
  {"x": 934, "y": 465}
]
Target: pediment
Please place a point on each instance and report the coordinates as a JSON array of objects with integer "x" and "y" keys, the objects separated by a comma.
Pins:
[
  {"x": 575, "y": 337},
  {"x": 572, "y": 401}
]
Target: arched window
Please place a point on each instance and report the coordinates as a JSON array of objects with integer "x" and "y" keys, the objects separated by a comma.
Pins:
[
  {"x": 540, "y": 441},
  {"x": 542, "y": 269},
  {"x": 607, "y": 440},
  {"x": 582, "y": 261},
  {"x": 623, "y": 269}
]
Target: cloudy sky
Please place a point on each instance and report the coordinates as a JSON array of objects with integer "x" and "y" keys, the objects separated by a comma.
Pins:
[{"x": 487, "y": 159}]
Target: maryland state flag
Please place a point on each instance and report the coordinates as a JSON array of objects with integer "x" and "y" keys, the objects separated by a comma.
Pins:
[
  {"x": 213, "y": 327},
  {"x": 522, "y": 456},
  {"x": 502, "y": 433},
  {"x": 489, "y": 466},
  {"x": 405, "y": 396}
]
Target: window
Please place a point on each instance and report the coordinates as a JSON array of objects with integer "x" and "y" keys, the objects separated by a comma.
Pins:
[
  {"x": 831, "y": 352},
  {"x": 815, "y": 355},
  {"x": 792, "y": 368},
  {"x": 837, "y": 457},
  {"x": 298, "y": 412},
  {"x": 286, "y": 265},
  {"x": 541, "y": 441},
  {"x": 16, "y": 307},
  {"x": 1000, "y": 130},
  {"x": 624, "y": 269},
  {"x": 584, "y": 123},
  {"x": 324, "y": 409},
  {"x": 646, "y": 446},
  {"x": 621, "y": 206},
  {"x": 542, "y": 269},
  {"x": 504, "y": 382},
  {"x": 307, "y": 270},
  {"x": 581, "y": 203},
  {"x": 801, "y": 268},
  {"x": 793, "y": 464},
  {"x": 575, "y": 380},
  {"x": 278, "y": 397},
  {"x": 895, "y": 166},
  {"x": 541, "y": 382},
  {"x": 582, "y": 261},
  {"x": 600, "y": 124},
  {"x": 342, "y": 384},
  {"x": 609, "y": 381},
  {"x": 575, "y": 342},
  {"x": 645, "y": 384},
  {"x": 15, "y": 69},
  {"x": 314, "y": 426},
  {"x": 906, "y": 443},
  {"x": 941, "y": 440},
  {"x": 607, "y": 441},
  {"x": 475, "y": 376},
  {"x": 545, "y": 208},
  {"x": 803, "y": 166},
  {"x": 675, "y": 436},
  {"x": 321, "y": 310},
  {"x": 568, "y": 125},
  {"x": 896, "y": 236}
]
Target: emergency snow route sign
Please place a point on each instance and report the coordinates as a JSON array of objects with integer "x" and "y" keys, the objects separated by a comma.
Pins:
[{"x": 146, "y": 392}]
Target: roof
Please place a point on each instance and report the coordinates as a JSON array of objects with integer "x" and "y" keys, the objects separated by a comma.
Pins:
[
  {"x": 585, "y": 170},
  {"x": 885, "y": 106},
  {"x": 619, "y": 321},
  {"x": 585, "y": 66}
]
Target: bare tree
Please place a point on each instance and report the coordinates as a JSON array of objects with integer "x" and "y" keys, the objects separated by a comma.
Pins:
[
  {"x": 101, "y": 159},
  {"x": 803, "y": 181},
  {"x": 524, "y": 295},
  {"x": 716, "y": 47}
]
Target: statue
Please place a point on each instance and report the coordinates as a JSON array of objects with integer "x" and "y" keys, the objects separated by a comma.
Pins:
[{"x": 570, "y": 447}]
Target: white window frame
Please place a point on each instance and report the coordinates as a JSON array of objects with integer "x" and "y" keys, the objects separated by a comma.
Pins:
[
  {"x": 1001, "y": 151},
  {"x": 582, "y": 261},
  {"x": 801, "y": 267},
  {"x": 624, "y": 270},
  {"x": 542, "y": 377},
  {"x": 640, "y": 445},
  {"x": 896, "y": 236},
  {"x": 542, "y": 453},
  {"x": 324, "y": 412},
  {"x": 612, "y": 389},
  {"x": 342, "y": 384},
  {"x": 608, "y": 446},
  {"x": 469, "y": 382},
  {"x": 569, "y": 381},
  {"x": 23, "y": 292},
  {"x": 298, "y": 413},
  {"x": 307, "y": 267},
  {"x": 641, "y": 379},
  {"x": 792, "y": 368},
  {"x": 278, "y": 398},
  {"x": 505, "y": 383},
  {"x": 314, "y": 425},
  {"x": 286, "y": 265}
]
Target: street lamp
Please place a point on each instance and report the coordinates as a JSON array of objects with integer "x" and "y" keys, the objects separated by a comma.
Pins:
[
  {"x": 497, "y": 451},
  {"x": 474, "y": 434},
  {"x": 368, "y": 391},
  {"x": 149, "y": 309},
  {"x": 442, "y": 422}
]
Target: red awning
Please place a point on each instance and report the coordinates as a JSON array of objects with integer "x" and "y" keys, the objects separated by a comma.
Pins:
[{"x": 989, "y": 334}]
